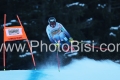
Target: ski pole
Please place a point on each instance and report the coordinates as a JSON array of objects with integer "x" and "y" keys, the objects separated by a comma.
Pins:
[{"x": 58, "y": 56}]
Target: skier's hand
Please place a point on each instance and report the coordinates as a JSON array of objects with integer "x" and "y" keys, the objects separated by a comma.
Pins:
[
  {"x": 57, "y": 44},
  {"x": 70, "y": 39}
]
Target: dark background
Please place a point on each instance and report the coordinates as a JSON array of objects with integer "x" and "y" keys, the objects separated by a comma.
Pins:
[{"x": 36, "y": 13}]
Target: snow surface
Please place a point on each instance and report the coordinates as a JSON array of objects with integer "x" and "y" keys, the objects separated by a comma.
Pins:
[
  {"x": 75, "y": 3},
  {"x": 102, "y": 6},
  {"x": 27, "y": 53},
  {"x": 87, "y": 41},
  {"x": 112, "y": 34},
  {"x": 84, "y": 69},
  {"x": 90, "y": 19},
  {"x": 114, "y": 28},
  {"x": 13, "y": 21},
  {"x": 7, "y": 24},
  {"x": 25, "y": 23}
]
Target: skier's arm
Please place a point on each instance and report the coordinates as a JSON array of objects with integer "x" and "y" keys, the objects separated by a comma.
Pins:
[
  {"x": 49, "y": 35},
  {"x": 65, "y": 31}
]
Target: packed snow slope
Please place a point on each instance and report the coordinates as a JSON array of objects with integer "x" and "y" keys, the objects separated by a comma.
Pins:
[{"x": 84, "y": 69}]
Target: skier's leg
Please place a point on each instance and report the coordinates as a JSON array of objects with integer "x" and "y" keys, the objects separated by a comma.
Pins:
[
  {"x": 65, "y": 40},
  {"x": 63, "y": 37},
  {"x": 56, "y": 38}
]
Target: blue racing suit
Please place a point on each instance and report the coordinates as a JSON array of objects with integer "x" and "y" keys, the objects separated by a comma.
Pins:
[{"x": 58, "y": 33}]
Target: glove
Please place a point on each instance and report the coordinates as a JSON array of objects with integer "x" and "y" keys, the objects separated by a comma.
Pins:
[
  {"x": 57, "y": 44},
  {"x": 70, "y": 39}
]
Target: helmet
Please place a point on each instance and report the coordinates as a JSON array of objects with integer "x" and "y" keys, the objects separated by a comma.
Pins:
[{"x": 52, "y": 21}]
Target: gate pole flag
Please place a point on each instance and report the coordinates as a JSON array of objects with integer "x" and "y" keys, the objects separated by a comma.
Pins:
[{"x": 13, "y": 33}]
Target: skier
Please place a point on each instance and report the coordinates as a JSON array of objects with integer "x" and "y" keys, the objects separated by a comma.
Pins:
[{"x": 57, "y": 33}]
